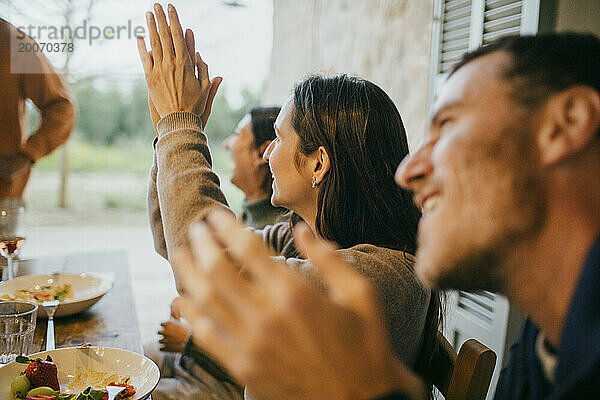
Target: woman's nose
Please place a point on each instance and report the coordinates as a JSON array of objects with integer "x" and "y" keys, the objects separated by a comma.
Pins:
[{"x": 267, "y": 153}]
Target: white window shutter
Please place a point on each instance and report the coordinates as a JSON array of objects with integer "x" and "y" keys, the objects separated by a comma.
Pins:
[
  {"x": 500, "y": 18},
  {"x": 451, "y": 34},
  {"x": 456, "y": 24},
  {"x": 462, "y": 25}
]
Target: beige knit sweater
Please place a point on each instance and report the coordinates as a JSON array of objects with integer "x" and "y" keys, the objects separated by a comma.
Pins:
[{"x": 183, "y": 187}]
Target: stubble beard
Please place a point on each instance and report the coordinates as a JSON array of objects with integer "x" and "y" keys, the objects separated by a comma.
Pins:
[{"x": 486, "y": 262}]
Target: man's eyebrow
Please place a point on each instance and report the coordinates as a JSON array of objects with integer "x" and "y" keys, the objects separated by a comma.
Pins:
[{"x": 443, "y": 108}]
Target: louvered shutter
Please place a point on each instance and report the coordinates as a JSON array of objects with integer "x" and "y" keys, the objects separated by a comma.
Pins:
[
  {"x": 501, "y": 17},
  {"x": 456, "y": 25},
  {"x": 459, "y": 26}
]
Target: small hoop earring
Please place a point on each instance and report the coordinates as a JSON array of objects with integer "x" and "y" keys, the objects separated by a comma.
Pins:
[{"x": 314, "y": 182}]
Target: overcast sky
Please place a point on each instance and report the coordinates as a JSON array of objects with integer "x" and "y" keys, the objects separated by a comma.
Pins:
[{"x": 234, "y": 41}]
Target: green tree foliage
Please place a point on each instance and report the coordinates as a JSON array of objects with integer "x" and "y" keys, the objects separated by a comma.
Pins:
[
  {"x": 224, "y": 117},
  {"x": 109, "y": 116}
]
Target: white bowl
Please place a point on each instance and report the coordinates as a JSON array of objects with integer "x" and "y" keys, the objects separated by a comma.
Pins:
[
  {"x": 87, "y": 289},
  {"x": 143, "y": 372}
]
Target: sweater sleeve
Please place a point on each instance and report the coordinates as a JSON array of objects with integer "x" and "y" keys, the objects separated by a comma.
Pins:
[
  {"x": 156, "y": 224},
  {"x": 50, "y": 95},
  {"x": 183, "y": 186}
]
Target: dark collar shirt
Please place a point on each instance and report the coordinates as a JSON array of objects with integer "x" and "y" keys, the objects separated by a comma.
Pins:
[{"x": 577, "y": 374}]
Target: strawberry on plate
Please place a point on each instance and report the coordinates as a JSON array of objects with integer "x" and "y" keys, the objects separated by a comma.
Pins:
[
  {"x": 41, "y": 373},
  {"x": 41, "y": 397}
]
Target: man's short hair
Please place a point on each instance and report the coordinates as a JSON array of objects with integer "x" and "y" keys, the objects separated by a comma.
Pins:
[{"x": 545, "y": 64}]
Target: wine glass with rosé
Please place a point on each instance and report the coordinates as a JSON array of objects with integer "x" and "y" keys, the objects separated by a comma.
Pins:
[{"x": 12, "y": 237}]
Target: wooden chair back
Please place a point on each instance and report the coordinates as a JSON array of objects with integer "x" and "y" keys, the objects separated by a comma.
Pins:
[{"x": 466, "y": 375}]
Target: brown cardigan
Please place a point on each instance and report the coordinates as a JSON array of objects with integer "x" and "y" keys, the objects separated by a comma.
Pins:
[{"x": 48, "y": 93}]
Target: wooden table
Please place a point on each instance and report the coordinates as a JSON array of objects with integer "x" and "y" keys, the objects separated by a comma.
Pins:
[{"x": 111, "y": 322}]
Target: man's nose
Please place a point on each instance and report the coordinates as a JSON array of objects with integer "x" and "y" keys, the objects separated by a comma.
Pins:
[
  {"x": 226, "y": 143},
  {"x": 415, "y": 167}
]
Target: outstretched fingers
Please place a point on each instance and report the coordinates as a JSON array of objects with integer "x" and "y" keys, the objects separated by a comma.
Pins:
[
  {"x": 245, "y": 247},
  {"x": 164, "y": 32},
  {"x": 221, "y": 272},
  {"x": 346, "y": 286},
  {"x": 179, "y": 43},
  {"x": 155, "y": 44},
  {"x": 214, "y": 87},
  {"x": 209, "y": 298},
  {"x": 190, "y": 43},
  {"x": 208, "y": 336},
  {"x": 144, "y": 55}
]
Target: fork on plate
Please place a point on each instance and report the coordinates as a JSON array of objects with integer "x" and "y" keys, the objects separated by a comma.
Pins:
[
  {"x": 113, "y": 391},
  {"x": 50, "y": 308}
]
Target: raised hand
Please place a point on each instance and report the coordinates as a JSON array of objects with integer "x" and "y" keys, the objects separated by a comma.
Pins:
[
  {"x": 170, "y": 69},
  {"x": 275, "y": 333}
]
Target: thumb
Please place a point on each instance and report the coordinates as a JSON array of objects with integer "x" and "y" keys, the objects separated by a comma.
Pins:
[{"x": 214, "y": 87}]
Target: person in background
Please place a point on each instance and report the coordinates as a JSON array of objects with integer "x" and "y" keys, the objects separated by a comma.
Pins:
[
  {"x": 509, "y": 183},
  {"x": 28, "y": 75},
  {"x": 251, "y": 172}
]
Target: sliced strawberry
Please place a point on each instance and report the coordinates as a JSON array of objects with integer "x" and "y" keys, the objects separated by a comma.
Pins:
[
  {"x": 42, "y": 373},
  {"x": 41, "y": 397}
]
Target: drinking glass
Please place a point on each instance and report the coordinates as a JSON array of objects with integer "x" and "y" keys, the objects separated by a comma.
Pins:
[
  {"x": 12, "y": 237},
  {"x": 17, "y": 325}
]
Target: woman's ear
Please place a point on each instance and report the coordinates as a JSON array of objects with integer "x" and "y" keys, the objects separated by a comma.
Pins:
[
  {"x": 571, "y": 122},
  {"x": 261, "y": 150},
  {"x": 322, "y": 165}
]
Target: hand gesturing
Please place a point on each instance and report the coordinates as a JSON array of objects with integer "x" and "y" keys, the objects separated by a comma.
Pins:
[
  {"x": 274, "y": 332},
  {"x": 177, "y": 78}
]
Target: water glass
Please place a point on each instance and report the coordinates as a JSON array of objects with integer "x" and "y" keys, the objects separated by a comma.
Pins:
[{"x": 17, "y": 326}]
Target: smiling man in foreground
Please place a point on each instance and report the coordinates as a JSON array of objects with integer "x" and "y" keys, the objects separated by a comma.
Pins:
[{"x": 509, "y": 182}]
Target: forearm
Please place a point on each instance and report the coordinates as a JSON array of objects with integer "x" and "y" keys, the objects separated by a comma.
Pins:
[
  {"x": 51, "y": 96},
  {"x": 57, "y": 121},
  {"x": 186, "y": 186},
  {"x": 154, "y": 215}
]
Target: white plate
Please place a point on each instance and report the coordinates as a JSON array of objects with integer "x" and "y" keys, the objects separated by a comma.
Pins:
[
  {"x": 143, "y": 372},
  {"x": 87, "y": 289}
]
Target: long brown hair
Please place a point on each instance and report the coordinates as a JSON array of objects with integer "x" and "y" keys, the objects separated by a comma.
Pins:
[
  {"x": 359, "y": 201},
  {"x": 362, "y": 132}
]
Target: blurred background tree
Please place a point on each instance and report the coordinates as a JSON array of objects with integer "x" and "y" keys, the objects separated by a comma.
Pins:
[{"x": 110, "y": 150}]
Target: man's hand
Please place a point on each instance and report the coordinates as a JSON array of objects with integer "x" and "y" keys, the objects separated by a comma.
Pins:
[
  {"x": 174, "y": 335},
  {"x": 275, "y": 333},
  {"x": 12, "y": 165},
  {"x": 170, "y": 68}
]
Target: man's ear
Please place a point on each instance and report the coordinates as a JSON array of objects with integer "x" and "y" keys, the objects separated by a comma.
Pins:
[
  {"x": 322, "y": 164},
  {"x": 261, "y": 150},
  {"x": 571, "y": 120}
]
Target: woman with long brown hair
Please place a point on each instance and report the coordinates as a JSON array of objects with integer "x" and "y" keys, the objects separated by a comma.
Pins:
[{"x": 338, "y": 143}]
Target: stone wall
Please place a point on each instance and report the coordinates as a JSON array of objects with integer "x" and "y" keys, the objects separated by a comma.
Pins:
[{"x": 385, "y": 41}]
